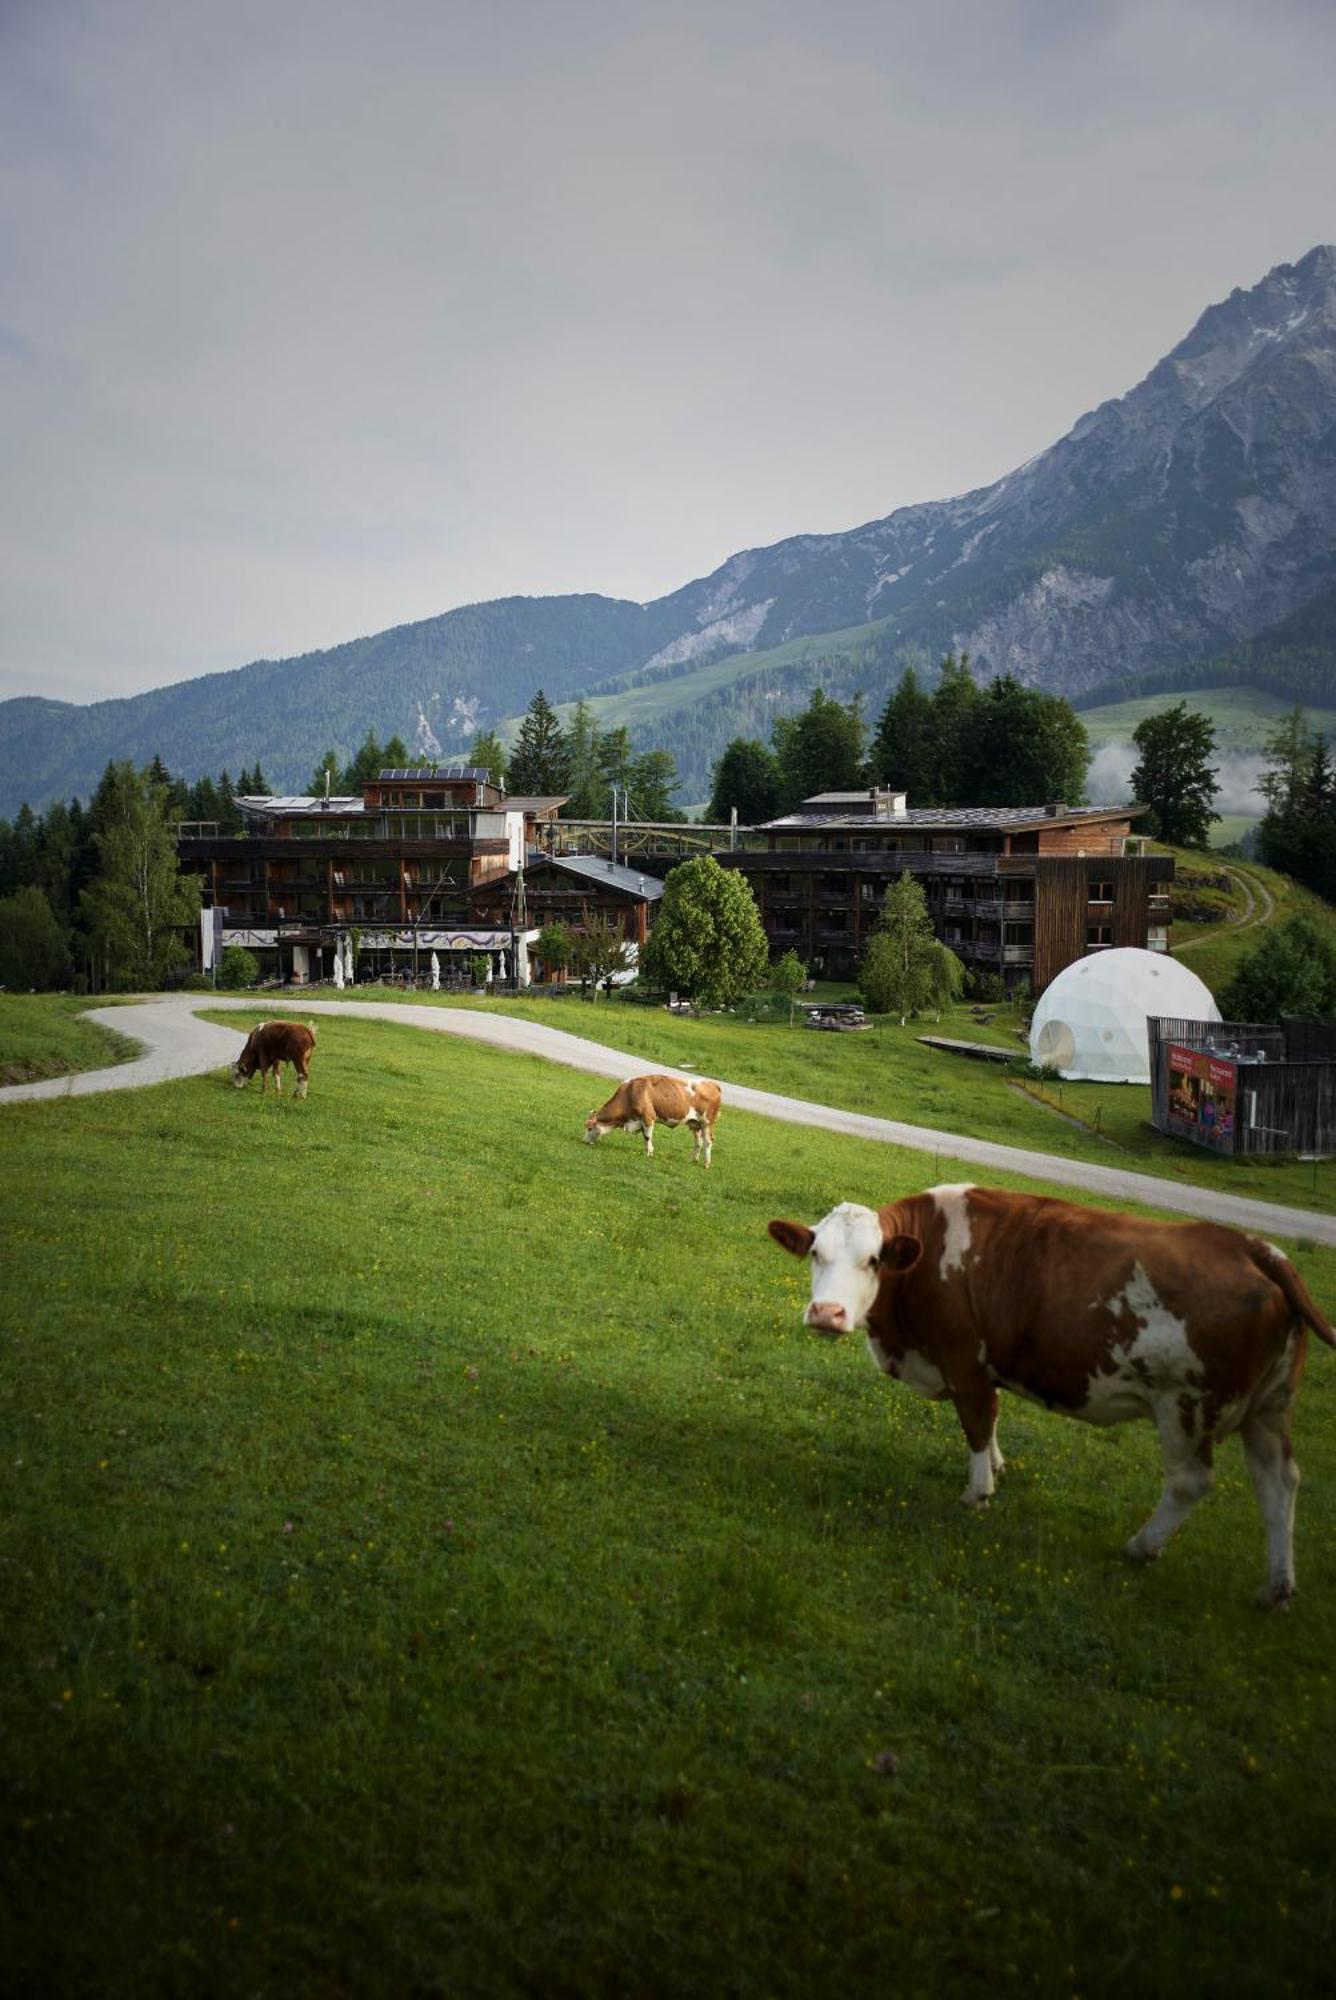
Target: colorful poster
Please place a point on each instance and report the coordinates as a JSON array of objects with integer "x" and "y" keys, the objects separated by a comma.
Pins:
[{"x": 1203, "y": 1095}]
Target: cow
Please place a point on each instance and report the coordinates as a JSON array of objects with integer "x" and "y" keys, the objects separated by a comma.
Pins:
[
  {"x": 643, "y": 1102},
  {"x": 268, "y": 1047},
  {"x": 963, "y": 1291}
]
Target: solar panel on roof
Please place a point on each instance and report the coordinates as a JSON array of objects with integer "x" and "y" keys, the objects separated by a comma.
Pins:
[{"x": 472, "y": 772}]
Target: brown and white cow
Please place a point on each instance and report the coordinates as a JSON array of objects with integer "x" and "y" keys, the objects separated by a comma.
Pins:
[
  {"x": 967, "y": 1290},
  {"x": 643, "y": 1102},
  {"x": 268, "y": 1047}
]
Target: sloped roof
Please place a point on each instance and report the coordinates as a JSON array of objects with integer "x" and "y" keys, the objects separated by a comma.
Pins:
[{"x": 592, "y": 868}]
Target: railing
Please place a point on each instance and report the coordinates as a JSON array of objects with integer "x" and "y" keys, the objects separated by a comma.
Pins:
[{"x": 664, "y": 839}]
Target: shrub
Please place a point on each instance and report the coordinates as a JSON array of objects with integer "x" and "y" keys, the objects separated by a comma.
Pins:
[{"x": 238, "y": 967}]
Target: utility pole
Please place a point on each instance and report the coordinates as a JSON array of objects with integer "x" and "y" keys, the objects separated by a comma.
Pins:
[{"x": 614, "y": 826}]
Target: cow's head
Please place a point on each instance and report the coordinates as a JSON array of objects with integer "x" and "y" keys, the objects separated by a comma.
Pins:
[
  {"x": 850, "y": 1256},
  {"x": 593, "y": 1130},
  {"x": 243, "y": 1069}
]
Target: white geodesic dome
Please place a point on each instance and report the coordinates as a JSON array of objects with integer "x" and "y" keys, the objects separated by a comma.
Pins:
[{"x": 1090, "y": 1023}]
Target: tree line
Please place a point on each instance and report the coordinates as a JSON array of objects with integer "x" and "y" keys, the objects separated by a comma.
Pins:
[
  {"x": 584, "y": 763},
  {"x": 91, "y": 896},
  {"x": 1002, "y": 744}
]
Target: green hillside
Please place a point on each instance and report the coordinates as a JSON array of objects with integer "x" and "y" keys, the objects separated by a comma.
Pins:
[{"x": 1243, "y": 716}]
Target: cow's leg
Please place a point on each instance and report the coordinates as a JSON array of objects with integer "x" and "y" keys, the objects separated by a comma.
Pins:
[
  {"x": 1275, "y": 1479},
  {"x": 278, "y": 1079},
  {"x": 1187, "y": 1477},
  {"x": 977, "y": 1409},
  {"x": 302, "y": 1079},
  {"x": 647, "y": 1127},
  {"x": 698, "y": 1140},
  {"x": 708, "y": 1130}
]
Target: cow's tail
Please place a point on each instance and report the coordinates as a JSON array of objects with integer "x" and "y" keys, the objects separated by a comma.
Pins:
[{"x": 1279, "y": 1269}]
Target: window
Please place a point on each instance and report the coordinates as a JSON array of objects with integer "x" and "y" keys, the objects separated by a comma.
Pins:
[
  {"x": 1101, "y": 892},
  {"x": 1098, "y": 936}
]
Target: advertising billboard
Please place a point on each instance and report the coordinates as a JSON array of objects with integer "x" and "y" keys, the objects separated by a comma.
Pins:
[{"x": 1203, "y": 1096}]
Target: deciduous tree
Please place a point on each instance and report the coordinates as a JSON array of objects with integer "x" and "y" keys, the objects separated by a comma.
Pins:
[
  {"x": 139, "y": 904},
  {"x": 788, "y": 976},
  {"x": 707, "y": 938},
  {"x": 1175, "y": 777},
  {"x": 746, "y": 776},
  {"x": 1292, "y": 971},
  {"x": 820, "y": 750},
  {"x": 1023, "y": 748}
]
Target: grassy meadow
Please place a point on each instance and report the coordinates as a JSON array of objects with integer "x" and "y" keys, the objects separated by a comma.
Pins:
[
  {"x": 437, "y": 1561},
  {"x": 886, "y": 1072},
  {"x": 42, "y": 1034},
  {"x": 1260, "y": 896}
]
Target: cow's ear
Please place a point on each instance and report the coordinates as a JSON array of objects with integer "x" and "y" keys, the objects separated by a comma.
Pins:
[
  {"x": 900, "y": 1253},
  {"x": 793, "y": 1236}
]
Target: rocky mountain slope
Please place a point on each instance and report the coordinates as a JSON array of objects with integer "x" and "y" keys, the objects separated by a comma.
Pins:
[{"x": 1182, "y": 521}]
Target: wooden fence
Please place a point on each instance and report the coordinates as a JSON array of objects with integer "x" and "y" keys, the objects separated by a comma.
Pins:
[{"x": 1245, "y": 1088}]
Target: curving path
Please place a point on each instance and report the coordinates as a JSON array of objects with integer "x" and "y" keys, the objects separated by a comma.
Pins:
[{"x": 178, "y": 1044}]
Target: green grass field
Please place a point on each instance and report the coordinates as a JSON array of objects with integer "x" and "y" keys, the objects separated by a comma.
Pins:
[
  {"x": 437, "y": 1561},
  {"x": 888, "y": 1073},
  {"x": 42, "y": 1035},
  {"x": 1243, "y": 717}
]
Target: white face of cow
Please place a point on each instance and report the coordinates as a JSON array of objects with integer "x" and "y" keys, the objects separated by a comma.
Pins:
[
  {"x": 845, "y": 1252},
  {"x": 239, "y": 1078}
]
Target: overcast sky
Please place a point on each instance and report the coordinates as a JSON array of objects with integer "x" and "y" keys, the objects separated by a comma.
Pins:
[{"x": 319, "y": 317}]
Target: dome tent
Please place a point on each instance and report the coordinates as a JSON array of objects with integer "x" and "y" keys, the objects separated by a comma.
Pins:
[{"x": 1090, "y": 1022}]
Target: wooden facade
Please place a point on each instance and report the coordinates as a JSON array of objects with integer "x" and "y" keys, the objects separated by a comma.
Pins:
[
  {"x": 1016, "y": 893},
  {"x": 421, "y": 858}
]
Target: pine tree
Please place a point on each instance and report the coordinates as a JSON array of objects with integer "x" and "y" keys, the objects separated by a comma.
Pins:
[
  {"x": 486, "y": 754},
  {"x": 904, "y": 750},
  {"x": 650, "y": 786},
  {"x": 955, "y": 709},
  {"x": 538, "y": 761},
  {"x": 903, "y": 968},
  {"x": 585, "y": 781},
  {"x": 329, "y": 767}
]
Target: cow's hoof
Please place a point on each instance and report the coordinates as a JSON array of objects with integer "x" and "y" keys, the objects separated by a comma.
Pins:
[
  {"x": 1275, "y": 1596},
  {"x": 1138, "y": 1551},
  {"x": 977, "y": 1503}
]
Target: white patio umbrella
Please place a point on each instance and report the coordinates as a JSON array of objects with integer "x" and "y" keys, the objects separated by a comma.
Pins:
[
  {"x": 348, "y": 960},
  {"x": 501, "y": 963},
  {"x": 338, "y": 967},
  {"x": 435, "y": 973}
]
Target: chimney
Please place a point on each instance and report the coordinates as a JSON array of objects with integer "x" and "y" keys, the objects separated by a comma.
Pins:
[{"x": 1055, "y": 809}]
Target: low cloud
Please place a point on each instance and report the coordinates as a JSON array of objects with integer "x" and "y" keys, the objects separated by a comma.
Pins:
[{"x": 1237, "y": 773}]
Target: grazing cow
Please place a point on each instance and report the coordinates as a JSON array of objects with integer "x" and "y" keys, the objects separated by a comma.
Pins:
[
  {"x": 268, "y": 1047},
  {"x": 643, "y": 1102},
  {"x": 967, "y": 1290}
]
